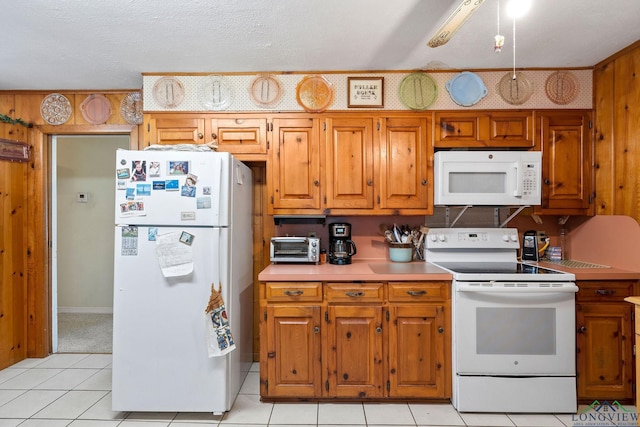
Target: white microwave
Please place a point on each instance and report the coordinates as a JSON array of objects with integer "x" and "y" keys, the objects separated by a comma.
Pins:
[{"x": 487, "y": 178}]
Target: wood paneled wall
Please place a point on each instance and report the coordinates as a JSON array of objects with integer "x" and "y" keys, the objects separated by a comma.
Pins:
[
  {"x": 617, "y": 133},
  {"x": 25, "y": 306}
]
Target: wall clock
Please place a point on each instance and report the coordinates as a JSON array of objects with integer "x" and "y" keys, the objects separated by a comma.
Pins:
[
  {"x": 265, "y": 91},
  {"x": 168, "y": 92},
  {"x": 314, "y": 93}
]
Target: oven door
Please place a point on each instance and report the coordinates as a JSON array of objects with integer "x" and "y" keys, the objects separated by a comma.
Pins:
[{"x": 514, "y": 329}]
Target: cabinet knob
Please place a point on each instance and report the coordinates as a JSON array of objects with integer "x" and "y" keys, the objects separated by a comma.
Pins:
[
  {"x": 214, "y": 136},
  {"x": 369, "y": 182},
  {"x": 583, "y": 329},
  {"x": 316, "y": 330},
  {"x": 441, "y": 330},
  {"x": 423, "y": 182},
  {"x": 200, "y": 136},
  {"x": 294, "y": 293},
  {"x": 378, "y": 329},
  {"x": 547, "y": 182}
]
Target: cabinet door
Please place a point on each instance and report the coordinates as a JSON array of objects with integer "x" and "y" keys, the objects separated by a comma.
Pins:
[
  {"x": 404, "y": 166},
  {"x": 292, "y": 339},
  {"x": 605, "y": 351},
  {"x": 173, "y": 129},
  {"x": 239, "y": 135},
  {"x": 354, "y": 347},
  {"x": 294, "y": 181},
  {"x": 501, "y": 129},
  {"x": 349, "y": 163},
  {"x": 417, "y": 350},
  {"x": 567, "y": 164}
]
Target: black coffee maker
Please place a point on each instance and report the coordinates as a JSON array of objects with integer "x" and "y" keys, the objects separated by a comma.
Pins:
[{"x": 341, "y": 247}]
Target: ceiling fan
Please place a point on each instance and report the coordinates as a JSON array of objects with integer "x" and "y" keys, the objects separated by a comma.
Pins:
[{"x": 459, "y": 16}]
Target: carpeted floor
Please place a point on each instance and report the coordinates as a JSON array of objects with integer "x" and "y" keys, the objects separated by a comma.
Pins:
[{"x": 85, "y": 332}]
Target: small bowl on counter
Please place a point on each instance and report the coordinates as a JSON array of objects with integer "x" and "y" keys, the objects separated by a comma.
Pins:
[{"x": 400, "y": 252}]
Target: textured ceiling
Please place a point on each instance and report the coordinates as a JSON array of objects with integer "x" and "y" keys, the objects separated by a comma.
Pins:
[{"x": 79, "y": 44}]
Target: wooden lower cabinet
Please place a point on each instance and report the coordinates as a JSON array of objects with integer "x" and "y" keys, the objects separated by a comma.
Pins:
[
  {"x": 604, "y": 341},
  {"x": 356, "y": 341}
]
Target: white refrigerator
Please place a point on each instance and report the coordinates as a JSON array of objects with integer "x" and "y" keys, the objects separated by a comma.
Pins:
[{"x": 183, "y": 222}]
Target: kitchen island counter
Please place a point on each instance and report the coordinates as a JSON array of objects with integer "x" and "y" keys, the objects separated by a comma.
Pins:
[{"x": 372, "y": 270}]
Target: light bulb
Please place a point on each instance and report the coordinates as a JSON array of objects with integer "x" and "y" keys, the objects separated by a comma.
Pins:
[
  {"x": 499, "y": 43},
  {"x": 518, "y": 8}
]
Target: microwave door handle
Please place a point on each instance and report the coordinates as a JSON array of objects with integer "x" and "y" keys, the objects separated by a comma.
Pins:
[{"x": 519, "y": 179}]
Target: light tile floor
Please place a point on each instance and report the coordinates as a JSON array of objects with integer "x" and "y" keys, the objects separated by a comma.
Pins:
[{"x": 75, "y": 390}]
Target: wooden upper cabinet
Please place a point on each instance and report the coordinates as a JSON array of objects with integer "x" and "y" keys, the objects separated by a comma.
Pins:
[
  {"x": 174, "y": 129},
  {"x": 238, "y": 135},
  {"x": 404, "y": 150},
  {"x": 349, "y": 163},
  {"x": 566, "y": 144},
  {"x": 294, "y": 180},
  {"x": 475, "y": 129}
]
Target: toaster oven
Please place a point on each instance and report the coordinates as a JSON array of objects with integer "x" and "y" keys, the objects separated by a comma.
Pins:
[{"x": 295, "y": 249}]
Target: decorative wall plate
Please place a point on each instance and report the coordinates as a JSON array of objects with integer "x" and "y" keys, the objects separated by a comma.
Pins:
[
  {"x": 96, "y": 109},
  {"x": 131, "y": 108},
  {"x": 466, "y": 89},
  {"x": 265, "y": 91},
  {"x": 314, "y": 93},
  {"x": 562, "y": 87},
  {"x": 216, "y": 93},
  {"x": 418, "y": 91},
  {"x": 168, "y": 92},
  {"x": 515, "y": 91},
  {"x": 55, "y": 109}
]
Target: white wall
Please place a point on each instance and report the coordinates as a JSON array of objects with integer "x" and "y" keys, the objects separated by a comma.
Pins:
[{"x": 85, "y": 230}]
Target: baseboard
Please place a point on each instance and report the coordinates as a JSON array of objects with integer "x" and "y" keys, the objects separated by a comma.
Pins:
[{"x": 96, "y": 310}]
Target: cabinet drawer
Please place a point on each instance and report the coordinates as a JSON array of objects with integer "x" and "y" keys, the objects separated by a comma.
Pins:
[
  {"x": 417, "y": 291},
  {"x": 604, "y": 290},
  {"x": 294, "y": 291},
  {"x": 354, "y": 292}
]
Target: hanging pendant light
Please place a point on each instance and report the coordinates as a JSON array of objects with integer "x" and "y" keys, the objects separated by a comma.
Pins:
[
  {"x": 499, "y": 39},
  {"x": 514, "y": 48}
]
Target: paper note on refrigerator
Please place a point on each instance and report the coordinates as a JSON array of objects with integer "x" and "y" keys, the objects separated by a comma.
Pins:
[{"x": 175, "y": 257}]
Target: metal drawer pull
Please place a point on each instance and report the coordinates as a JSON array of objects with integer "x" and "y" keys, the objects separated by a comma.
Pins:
[
  {"x": 354, "y": 294},
  {"x": 295, "y": 293},
  {"x": 417, "y": 293},
  {"x": 605, "y": 291}
]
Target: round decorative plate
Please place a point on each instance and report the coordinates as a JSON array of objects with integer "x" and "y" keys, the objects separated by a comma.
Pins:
[
  {"x": 131, "y": 108},
  {"x": 216, "y": 93},
  {"x": 96, "y": 109},
  {"x": 314, "y": 93},
  {"x": 418, "y": 91},
  {"x": 562, "y": 87},
  {"x": 515, "y": 91},
  {"x": 466, "y": 89},
  {"x": 168, "y": 92},
  {"x": 55, "y": 109},
  {"x": 265, "y": 91}
]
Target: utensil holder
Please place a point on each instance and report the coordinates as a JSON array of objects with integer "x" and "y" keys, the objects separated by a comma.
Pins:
[{"x": 400, "y": 252}]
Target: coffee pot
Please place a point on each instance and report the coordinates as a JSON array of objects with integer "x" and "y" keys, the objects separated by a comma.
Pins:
[{"x": 341, "y": 247}]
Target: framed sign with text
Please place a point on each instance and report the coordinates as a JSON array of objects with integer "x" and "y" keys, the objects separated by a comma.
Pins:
[
  {"x": 366, "y": 92},
  {"x": 14, "y": 150}
]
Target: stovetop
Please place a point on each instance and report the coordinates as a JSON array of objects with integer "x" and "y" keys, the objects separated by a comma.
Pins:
[{"x": 487, "y": 254}]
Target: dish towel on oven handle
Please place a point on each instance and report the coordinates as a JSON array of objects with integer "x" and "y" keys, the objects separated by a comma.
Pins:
[{"x": 219, "y": 338}]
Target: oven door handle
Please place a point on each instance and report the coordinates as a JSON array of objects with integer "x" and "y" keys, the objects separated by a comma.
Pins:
[{"x": 464, "y": 287}]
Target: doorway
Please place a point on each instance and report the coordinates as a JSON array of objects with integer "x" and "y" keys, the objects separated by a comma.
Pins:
[{"x": 82, "y": 219}]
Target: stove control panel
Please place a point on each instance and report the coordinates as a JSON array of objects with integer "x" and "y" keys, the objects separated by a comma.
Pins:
[{"x": 468, "y": 238}]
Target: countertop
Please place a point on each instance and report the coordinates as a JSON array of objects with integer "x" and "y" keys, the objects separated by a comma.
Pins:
[
  {"x": 609, "y": 273},
  {"x": 384, "y": 270},
  {"x": 358, "y": 270}
]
